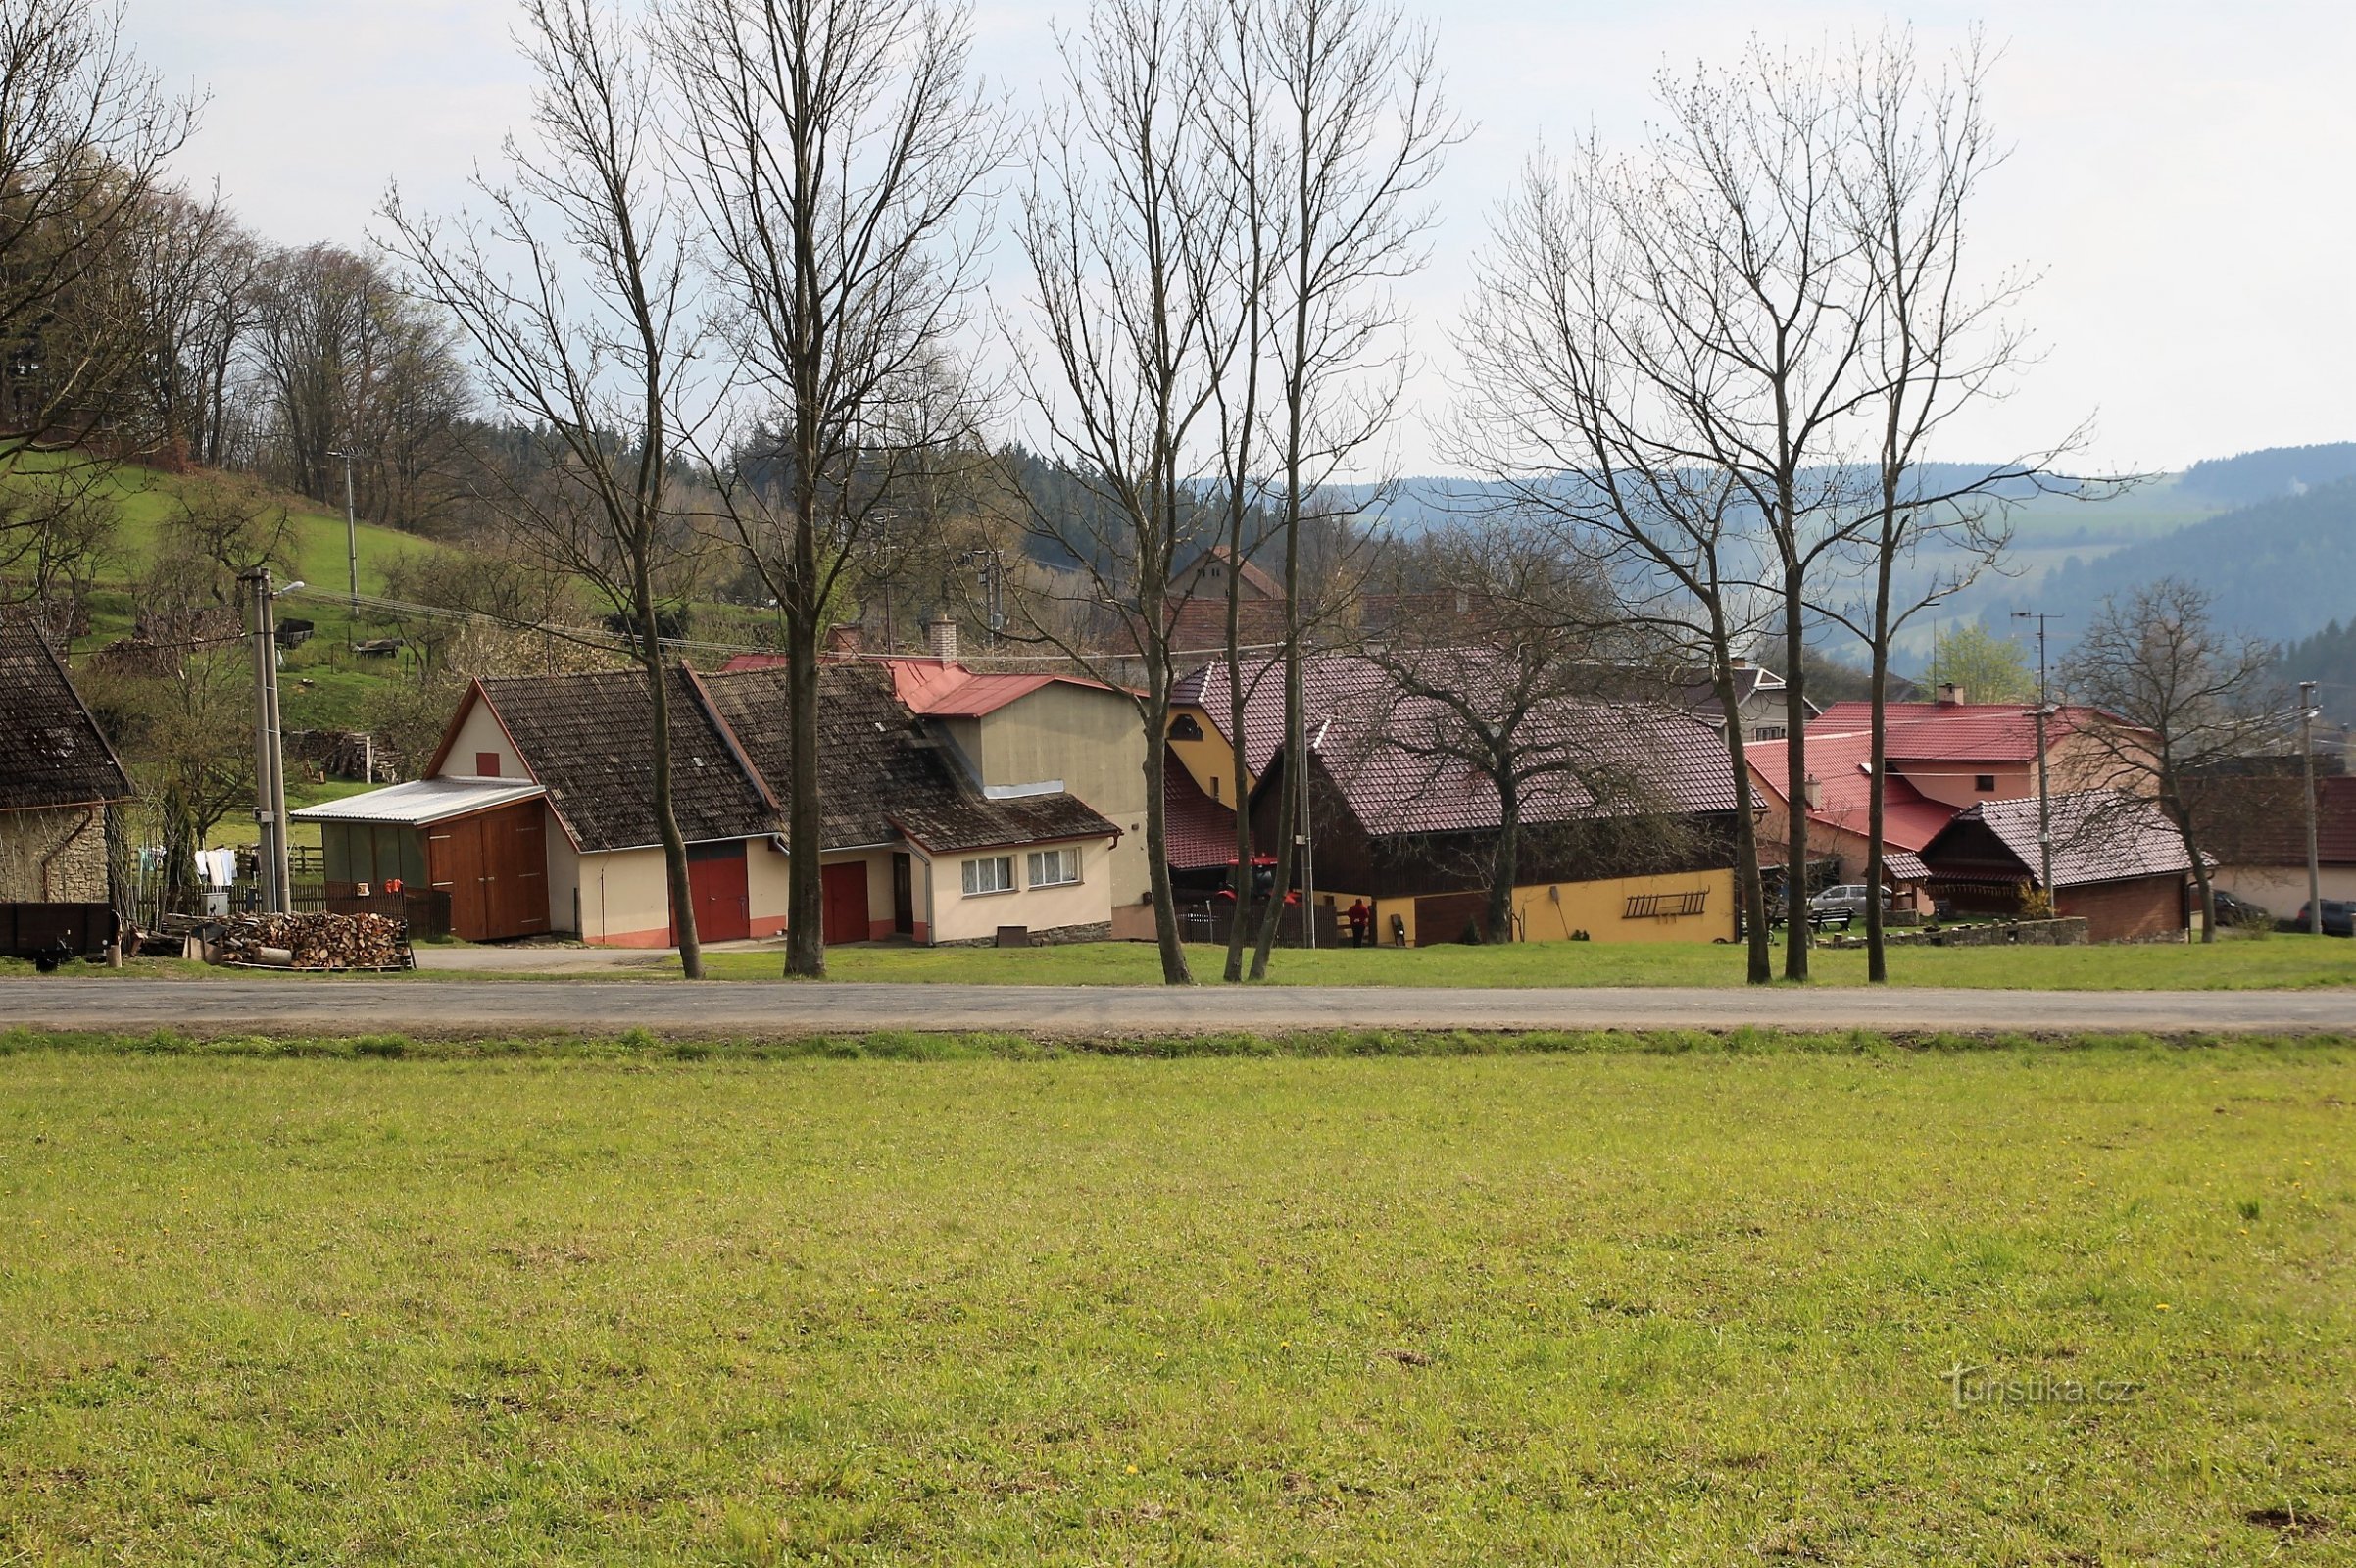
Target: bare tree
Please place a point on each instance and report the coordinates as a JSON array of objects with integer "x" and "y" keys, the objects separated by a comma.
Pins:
[
  {"x": 86, "y": 132},
  {"x": 574, "y": 293},
  {"x": 2178, "y": 703},
  {"x": 1581, "y": 406},
  {"x": 1936, "y": 346},
  {"x": 838, "y": 151},
  {"x": 1510, "y": 684},
  {"x": 1358, "y": 125},
  {"x": 1130, "y": 229},
  {"x": 194, "y": 273}
]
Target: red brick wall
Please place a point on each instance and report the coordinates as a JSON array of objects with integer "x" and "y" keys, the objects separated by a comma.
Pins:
[{"x": 2118, "y": 912}]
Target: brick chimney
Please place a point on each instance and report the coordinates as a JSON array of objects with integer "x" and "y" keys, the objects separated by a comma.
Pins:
[
  {"x": 1950, "y": 695},
  {"x": 940, "y": 638},
  {"x": 1811, "y": 790},
  {"x": 843, "y": 640}
]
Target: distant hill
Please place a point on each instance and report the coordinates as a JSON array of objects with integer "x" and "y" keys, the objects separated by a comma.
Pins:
[
  {"x": 2272, "y": 473},
  {"x": 2281, "y": 569}
]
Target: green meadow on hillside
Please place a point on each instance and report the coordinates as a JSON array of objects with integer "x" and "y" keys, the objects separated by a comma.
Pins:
[{"x": 1730, "y": 1306}]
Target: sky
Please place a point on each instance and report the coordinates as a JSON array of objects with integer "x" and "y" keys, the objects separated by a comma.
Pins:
[{"x": 2177, "y": 175}]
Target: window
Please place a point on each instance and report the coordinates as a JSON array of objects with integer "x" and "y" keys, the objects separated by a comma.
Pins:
[
  {"x": 486, "y": 764},
  {"x": 1768, "y": 732},
  {"x": 1985, "y": 783},
  {"x": 1051, "y": 868},
  {"x": 1184, "y": 728},
  {"x": 993, "y": 873}
]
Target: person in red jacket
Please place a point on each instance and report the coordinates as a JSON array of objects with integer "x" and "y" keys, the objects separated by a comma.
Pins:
[{"x": 1361, "y": 921}]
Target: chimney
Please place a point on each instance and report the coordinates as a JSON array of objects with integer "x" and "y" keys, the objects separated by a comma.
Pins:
[
  {"x": 941, "y": 637},
  {"x": 1739, "y": 664},
  {"x": 843, "y": 640},
  {"x": 1950, "y": 695},
  {"x": 1811, "y": 790}
]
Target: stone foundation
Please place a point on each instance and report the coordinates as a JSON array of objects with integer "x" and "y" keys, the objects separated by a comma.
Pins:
[
  {"x": 2068, "y": 932},
  {"x": 1054, "y": 936}
]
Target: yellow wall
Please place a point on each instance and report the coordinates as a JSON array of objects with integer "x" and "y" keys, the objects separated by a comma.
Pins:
[
  {"x": 1210, "y": 759},
  {"x": 1595, "y": 908},
  {"x": 1086, "y": 737},
  {"x": 961, "y": 917}
]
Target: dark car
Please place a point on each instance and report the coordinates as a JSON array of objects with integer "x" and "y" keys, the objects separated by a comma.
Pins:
[
  {"x": 2231, "y": 910},
  {"x": 2340, "y": 918}
]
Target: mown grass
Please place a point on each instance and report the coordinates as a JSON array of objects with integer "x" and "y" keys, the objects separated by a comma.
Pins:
[
  {"x": 1637, "y": 1305},
  {"x": 2277, "y": 961}
]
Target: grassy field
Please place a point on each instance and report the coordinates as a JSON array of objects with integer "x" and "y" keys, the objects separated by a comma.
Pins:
[
  {"x": 2283, "y": 960},
  {"x": 1615, "y": 1307}
]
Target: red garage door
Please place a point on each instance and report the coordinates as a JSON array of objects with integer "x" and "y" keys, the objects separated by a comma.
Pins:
[
  {"x": 716, "y": 885},
  {"x": 846, "y": 888}
]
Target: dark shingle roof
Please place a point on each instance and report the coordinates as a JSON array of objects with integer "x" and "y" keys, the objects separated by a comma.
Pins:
[
  {"x": 881, "y": 769},
  {"x": 51, "y": 750},
  {"x": 584, "y": 737},
  {"x": 2098, "y": 836}
]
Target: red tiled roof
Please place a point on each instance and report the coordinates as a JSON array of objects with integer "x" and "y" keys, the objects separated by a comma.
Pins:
[
  {"x": 934, "y": 688},
  {"x": 1197, "y": 831},
  {"x": 1932, "y": 732},
  {"x": 1841, "y": 763}
]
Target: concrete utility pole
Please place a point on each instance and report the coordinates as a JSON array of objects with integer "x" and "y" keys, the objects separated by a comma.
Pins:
[
  {"x": 2315, "y": 870},
  {"x": 2045, "y": 788},
  {"x": 351, "y": 551},
  {"x": 270, "y": 755}
]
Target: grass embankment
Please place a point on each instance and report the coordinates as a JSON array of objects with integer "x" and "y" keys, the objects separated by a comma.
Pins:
[
  {"x": 2277, "y": 961},
  {"x": 1621, "y": 1306}
]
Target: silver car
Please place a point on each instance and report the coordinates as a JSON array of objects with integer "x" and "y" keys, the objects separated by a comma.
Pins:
[{"x": 1848, "y": 895}]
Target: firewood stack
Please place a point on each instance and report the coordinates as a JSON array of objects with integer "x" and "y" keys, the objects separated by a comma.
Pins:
[{"x": 316, "y": 942}]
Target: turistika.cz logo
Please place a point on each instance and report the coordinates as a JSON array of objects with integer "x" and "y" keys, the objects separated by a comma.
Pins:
[{"x": 1969, "y": 1386}]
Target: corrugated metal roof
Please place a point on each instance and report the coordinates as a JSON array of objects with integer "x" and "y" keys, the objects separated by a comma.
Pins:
[{"x": 421, "y": 802}]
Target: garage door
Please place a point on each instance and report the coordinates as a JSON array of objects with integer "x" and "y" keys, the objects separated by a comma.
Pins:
[{"x": 716, "y": 885}]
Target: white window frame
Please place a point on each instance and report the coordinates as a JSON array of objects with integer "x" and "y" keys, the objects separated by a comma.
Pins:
[
  {"x": 1004, "y": 882},
  {"x": 1067, "y": 859}
]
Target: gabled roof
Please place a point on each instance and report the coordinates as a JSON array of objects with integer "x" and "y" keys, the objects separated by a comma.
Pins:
[
  {"x": 2275, "y": 832},
  {"x": 1843, "y": 768},
  {"x": 52, "y": 751},
  {"x": 881, "y": 770},
  {"x": 935, "y": 688},
  {"x": 1246, "y": 571},
  {"x": 2098, "y": 836},
  {"x": 585, "y": 738},
  {"x": 1958, "y": 732}
]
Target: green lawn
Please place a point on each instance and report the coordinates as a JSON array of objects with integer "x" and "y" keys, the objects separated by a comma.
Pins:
[
  {"x": 2276, "y": 961},
  {"x": 1615, "y": 1307}
]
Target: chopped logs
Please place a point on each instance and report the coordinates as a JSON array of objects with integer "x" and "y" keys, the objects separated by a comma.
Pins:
[{"x": 316, "y": 941}]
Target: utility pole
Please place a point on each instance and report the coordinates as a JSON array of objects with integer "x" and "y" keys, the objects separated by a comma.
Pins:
[
  {"x": 270, "y": 755},
  {"x": 2045, "y": 788},
  {"x": 2315, "y": 873},
  {"x": 351, "y": 551}
]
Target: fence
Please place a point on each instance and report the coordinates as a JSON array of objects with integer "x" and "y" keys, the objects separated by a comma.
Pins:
[
  {"x": 149, "y": 901},
  {"x": 1211, "y": 920}
]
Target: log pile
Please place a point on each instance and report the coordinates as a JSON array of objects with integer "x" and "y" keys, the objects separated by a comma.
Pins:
[{"x": 316, "y": 942}]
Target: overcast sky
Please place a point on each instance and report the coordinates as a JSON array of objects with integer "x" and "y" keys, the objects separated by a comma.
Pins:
[{"x": 2179, "y": 169}]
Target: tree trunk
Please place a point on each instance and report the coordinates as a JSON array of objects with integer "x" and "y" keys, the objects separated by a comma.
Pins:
[
  {"x": 1167, "y": 936},
  {"x": 1242, "y": 772},
  {"x": 1796, "y": 773},
  {"x": 1749, "y": 893},
  {"x": 1877, "y": 953},
  {"x": 1288, "y": 825},
  {"x": 666, "y": 820},
  {"x": 805, "y": 835},
  {"x": 1504, "y": 864}
]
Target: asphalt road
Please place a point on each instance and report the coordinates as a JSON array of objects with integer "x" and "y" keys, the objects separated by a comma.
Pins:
[{"x": 331, "y": 1005}]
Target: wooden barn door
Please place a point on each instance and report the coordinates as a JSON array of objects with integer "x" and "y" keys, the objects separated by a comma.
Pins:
[
  {"x": 495, "y": 870},
  {"x": 716, "y": 884},
  {"x": 846, "y": 904}
]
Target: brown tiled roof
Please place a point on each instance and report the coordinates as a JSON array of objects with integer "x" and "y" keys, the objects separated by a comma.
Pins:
[
  {"x": 584, "y": 737},
  {"x": 2097, "y": 837},
  {"x": 1197, "y": 831},
  {"x": 2274, "y": 829},
  {"x": 52, "y": 751},
  {"x": 881, "y": 770}
]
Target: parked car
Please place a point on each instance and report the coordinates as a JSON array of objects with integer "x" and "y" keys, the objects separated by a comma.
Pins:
[
  {"x": 2340, "y": 918},
  {"x": 1848, "y": 895},
  {"x": 2231, "y": 910}
]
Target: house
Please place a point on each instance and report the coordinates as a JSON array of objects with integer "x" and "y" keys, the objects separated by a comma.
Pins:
[
  {"x": 1411, "y": 832},
  {"x": 58, "y": 775},
  {"x": 2264, "y": 859},
  {"x": 2118, "y": 863},
  {"x": 1759, "y": 699},
  {"x": 1944, "y": 757},
  {"x": 536, "y": 814}
]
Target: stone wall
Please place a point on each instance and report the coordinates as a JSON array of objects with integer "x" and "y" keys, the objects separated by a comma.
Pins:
[
  {"x": 54, "y": 855},
  {"x": 2063, "y": 933},
  {"x": 1097, "y": 931}
]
